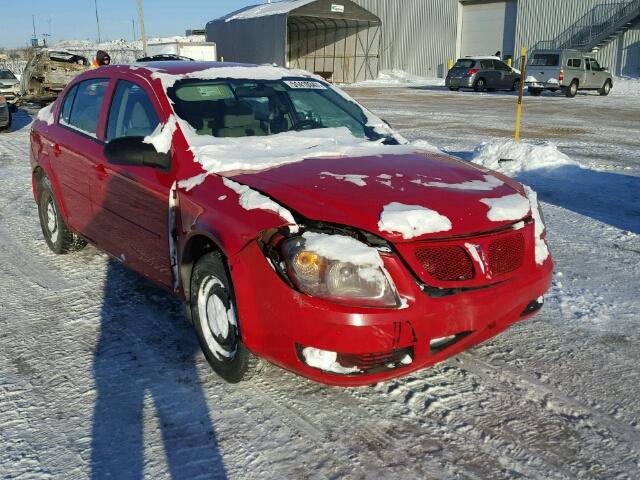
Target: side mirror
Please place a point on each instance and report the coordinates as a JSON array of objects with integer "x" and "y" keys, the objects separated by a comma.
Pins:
[{"x": 132, "y": 151}]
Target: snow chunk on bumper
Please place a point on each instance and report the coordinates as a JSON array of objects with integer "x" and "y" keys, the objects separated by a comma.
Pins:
[
  {"x": 411, "y": 220},
  {"x": 325, "y": 360},
  {"x": 510, "y": 207},
  {"x": 342, "y": 249}
]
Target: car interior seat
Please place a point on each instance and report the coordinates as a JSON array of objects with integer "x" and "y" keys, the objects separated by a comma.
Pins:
[{"x": 240, "y": 121}]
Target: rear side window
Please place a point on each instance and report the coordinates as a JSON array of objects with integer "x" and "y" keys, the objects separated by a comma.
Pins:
[
  {"x": 486, "y": 64},
  {"x": 545, "y": 60},
  {"x": 463, "y": 63},
  {"x": 68, "y": 103},
  {"x": 574, "y": 63},
  {"x": 131, "y": 114},
  {"x": 86, "y": 106}
]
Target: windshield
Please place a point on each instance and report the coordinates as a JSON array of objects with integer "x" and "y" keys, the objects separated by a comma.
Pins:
[
  {"x": 7, "y": 75},
  {"x": 545, "y": 60},
  {"x": 244, "y": 108}
]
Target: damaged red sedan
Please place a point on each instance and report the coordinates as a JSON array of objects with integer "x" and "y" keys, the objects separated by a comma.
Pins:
[{"x": 298, "y": 227}]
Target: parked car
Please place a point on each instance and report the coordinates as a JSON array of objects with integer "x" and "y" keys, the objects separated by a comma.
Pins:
[
  {"x": 482, "y": 73},
  {"x": 48, "y": 72},
  {"x": 5, "y": 114},
  {"x": 566, "y": 70},
  {"x": 297, "y": 227},
  {"x": 9, "y": 85}
]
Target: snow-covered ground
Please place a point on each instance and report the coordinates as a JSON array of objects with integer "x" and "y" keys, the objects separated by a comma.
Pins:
[{"x": 99, "y": 373}]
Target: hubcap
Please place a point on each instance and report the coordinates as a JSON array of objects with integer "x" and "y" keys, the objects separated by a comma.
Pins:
[
  {"x": 52, "y": 220},
  {"x": 217, "y": 318},
  {"x": 574, "y": 88}
]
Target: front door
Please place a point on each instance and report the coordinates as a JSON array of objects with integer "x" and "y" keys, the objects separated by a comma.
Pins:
[{"x": 131, "y": 203}]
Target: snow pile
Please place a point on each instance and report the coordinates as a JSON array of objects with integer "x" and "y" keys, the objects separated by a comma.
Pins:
[
  {"x": 519, "y": 156},
  {"x": 396, "y": 78},
  {"x": 541, "y": 249},
  {"x": 510, "y": 207},
  {"x": 162, "y": 136},
  {"x": 342, "y": 249},
  {"x": 46, "y": 114},
  {"x": 348, "y": 177},
  {"x": 252, "y": 200},
  {"x": 411, "y": 220},
  {"x": 626, "y": 86},
  {"x": 489, "y": 183}
]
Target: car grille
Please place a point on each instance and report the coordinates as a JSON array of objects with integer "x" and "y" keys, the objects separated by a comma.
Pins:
[
  {"x": 506, "y": 254},
  {"x": 469, "y": 261},
  {"x": 448, "y": 263}
]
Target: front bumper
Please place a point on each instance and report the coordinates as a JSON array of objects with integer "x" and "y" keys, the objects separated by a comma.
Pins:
[{"x": 277, "y": 321}]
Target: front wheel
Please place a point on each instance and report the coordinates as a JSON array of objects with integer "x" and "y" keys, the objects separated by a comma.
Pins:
[
  {"x": 56, "y": 233},
  {"x": 216, "y": 322},
  {"x": 606, "y": 88}
]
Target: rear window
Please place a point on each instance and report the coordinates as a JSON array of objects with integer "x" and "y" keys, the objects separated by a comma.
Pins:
[
  {"x": 574, "y": 62},
  {"x": 464, "y": 63},
  {"x": 545, "y": 60}
]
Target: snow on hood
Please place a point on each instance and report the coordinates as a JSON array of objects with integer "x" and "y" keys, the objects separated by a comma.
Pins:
[
  {"x": 489, "y": 183},
  {"x": 510, "y": 207},
  {"x": 411, "y": 220},
  {"x": 522, "y": 156}
]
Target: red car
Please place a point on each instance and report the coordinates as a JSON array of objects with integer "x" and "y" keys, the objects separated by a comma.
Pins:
[{"x": 297, "y": 226}]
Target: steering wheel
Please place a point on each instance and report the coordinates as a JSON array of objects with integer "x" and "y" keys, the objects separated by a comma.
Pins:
[{"x": 307, "y": 124}]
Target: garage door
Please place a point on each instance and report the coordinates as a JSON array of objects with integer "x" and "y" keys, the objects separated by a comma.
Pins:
[{"x": 488, "y": 27}]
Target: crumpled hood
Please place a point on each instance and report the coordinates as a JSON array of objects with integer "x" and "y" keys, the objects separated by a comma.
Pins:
[{"x": 354, "y": 191}]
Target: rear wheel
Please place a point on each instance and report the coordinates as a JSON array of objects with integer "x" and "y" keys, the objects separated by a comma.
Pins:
[
  {"x": 216, "y": 322},
  {"x": 56, "y": 233},
  {"x": 572, "y": 89},
  {"x": 606, "y": 88},
  {"x": 535, "y": 92},
  {"x": 480, "y": 85}
]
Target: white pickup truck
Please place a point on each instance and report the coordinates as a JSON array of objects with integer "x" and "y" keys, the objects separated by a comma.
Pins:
[{"x": 566, "y": 70}]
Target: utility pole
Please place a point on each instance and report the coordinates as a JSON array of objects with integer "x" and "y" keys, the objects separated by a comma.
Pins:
[
  {"x": 142, "y": 34},
  {"x": 95, "y": 2},
  {"x": 133, "y": 28},
  {"x": 34, "y": 38}
]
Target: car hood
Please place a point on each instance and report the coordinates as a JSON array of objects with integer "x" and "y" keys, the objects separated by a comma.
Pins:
[
  {"x": 354, "y": 191},
  {"x": 9, "y": 82}
]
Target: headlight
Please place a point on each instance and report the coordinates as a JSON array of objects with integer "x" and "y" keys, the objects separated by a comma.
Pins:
[{"x": 338, "y": 268}]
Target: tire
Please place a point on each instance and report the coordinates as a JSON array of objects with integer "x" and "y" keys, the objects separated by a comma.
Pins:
[
  {"x": 606, "y": 88},
  {"x": 59, "y": 238},
  {"x": 572, "y": 89},
  {"x": 454, "y": 89},
  {"x": 7, "y": 127},
  {"x": 516, "y": 85},
  {"x": 480, "y": 85},
  {"x": 535, "y": 92},
  {"x": 213, "y": 311}
]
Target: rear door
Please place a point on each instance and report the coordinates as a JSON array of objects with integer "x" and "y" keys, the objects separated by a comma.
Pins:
[
  {"x": 489, "y": 73},
  {"x": 131, "y": 203},
  {"x": 74, "y": 147}
]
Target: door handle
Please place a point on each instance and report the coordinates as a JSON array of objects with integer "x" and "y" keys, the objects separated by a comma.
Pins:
[{"x": 101, "y": 171}]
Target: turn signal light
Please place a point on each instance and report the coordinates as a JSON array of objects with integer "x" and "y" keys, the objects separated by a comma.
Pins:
[{"x": 561, "y": 76}]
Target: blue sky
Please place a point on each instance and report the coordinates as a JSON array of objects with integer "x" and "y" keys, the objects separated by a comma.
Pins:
[{"x": 75, "y": 19}]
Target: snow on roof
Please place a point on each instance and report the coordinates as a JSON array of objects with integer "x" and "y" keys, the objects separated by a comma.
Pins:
[{"x": 276, "y": 8}]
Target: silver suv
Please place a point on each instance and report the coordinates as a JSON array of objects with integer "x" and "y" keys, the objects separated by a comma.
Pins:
[
  {"x": 566, "y": 70},
  {"x": 9, "y": 85},
  {"x": 482, "y": 73}
]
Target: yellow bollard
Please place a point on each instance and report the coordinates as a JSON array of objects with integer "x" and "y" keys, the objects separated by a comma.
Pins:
[
  {"x": 222, "y": 59},
  {"x": 449, "y": 64},
  {"x": 510, "y": 62},
  {"x": 523, "y": 63}
]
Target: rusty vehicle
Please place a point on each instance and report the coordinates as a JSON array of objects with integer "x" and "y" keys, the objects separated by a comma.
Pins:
[{"x": 48, "y": 72}]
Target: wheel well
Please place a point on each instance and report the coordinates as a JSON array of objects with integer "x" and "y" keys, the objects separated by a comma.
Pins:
[
  {"x": 196, "y": 246},
  {"x": 575, "y": 80},
  {"x": 37, "y": 175}
]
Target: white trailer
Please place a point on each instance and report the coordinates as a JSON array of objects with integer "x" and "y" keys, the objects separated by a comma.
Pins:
[{"x": 201, "y": 51}]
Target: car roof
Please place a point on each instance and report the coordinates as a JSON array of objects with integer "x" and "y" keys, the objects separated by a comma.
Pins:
[{"x": 480, "y": 57}]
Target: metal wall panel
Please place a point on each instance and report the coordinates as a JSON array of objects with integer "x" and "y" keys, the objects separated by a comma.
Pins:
[
  {"x": 418, "y": 36},
  {"x": 540, "y": 20}
]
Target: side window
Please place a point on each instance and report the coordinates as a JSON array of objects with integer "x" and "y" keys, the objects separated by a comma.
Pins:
[
  {"x": 131, "y": 113},
  {"x": 502, "y": 66},
  {"x": 486, "y": 64},
  {"x": 595, "y": 65},
  {"x": 68, "y": 103},
  {"x": 587, "y": 64},
  {"x": 86, "y": 106},
  {"x": 574, "y": 62}
]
